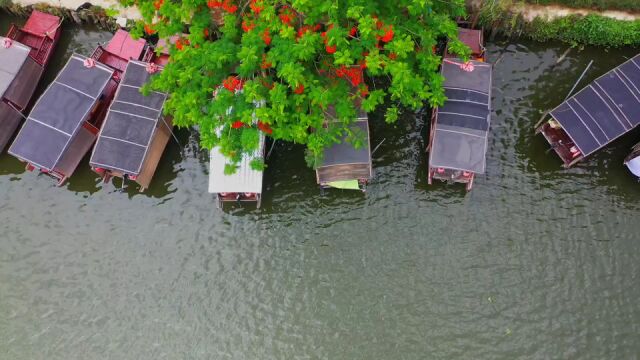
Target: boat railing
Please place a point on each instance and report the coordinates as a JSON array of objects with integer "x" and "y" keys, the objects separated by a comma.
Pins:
[
  {"x": 13, "y": 32},
  {"x": 148, "y": 54},
  {"x": 97, "y": 53},
  {"x": 43, "y": 50}
]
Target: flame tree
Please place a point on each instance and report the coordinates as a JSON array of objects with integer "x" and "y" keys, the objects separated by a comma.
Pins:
[{"x": 306, "y": 62}]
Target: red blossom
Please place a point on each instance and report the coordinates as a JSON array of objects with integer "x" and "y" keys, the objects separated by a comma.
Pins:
[
  {"x": 393, "y": 56},
  {"x": 228, "y": 7},
  {"x": 303, "y": 30},
  {"x": 257, "y": 9},
  {"x": 299, "y": 90},
  {"x": 265, "y": 127},
  {"x": 353, "y": 31},
  {"x": 232, "y": 83},
  {"x": 149, "y": 29},
  {"x": 265, "y": 63},
  {"x": 212, "y": 4},
  {"x": 388, "y": 35},
  {"x": 237, "y": 124},
  {"x": 247, "y": 25},
  {"x": 181, "y": 43},
  {"x": 157, "y": 4},
  {"x": 353, "y": 73},
  {"x": 331, "y": 49},
  {"x": 266, "y": 37},
  {"x": 286, "y": 15},
  {"x": 364, "y": 90}
]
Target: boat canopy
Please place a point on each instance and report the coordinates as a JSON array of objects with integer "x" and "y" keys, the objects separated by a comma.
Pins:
[
  {"x": 124, "y": 46},
  {"x": 462, "y": 124},
  {"x": 634, "y": 166},
  {"x": 41, "y": 24},
  {"x": 343, "y": 162},
  {"x": 11, "y": 61},
  {"x": 60, "y": 112},
  {"x": 604, "y": 110},
  {"x": 244, "y": 180},
  {"x": 472, "y": 38},
  {"x": 130, "y": 124}
]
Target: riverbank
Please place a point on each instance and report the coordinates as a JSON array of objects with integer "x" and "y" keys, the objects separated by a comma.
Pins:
[
  {"x": 609, "y": 28},
  {"x": 540, "y": 20},
  {"x": 107, "y": 14}
]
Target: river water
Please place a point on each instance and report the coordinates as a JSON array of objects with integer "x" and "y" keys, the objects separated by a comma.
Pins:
[{"x": 536, "y": 262}]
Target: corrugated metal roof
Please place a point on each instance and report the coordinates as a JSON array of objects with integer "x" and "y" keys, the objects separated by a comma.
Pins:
[
  {"x": 245, "y": 179},
  {"x": 11, "y": 60}
]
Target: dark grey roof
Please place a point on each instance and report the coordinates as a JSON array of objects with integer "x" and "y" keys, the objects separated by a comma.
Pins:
[
  {"x": 604, "y": 110},
  {"x": 130, "y": 124},
  {"x": 462, "y": 123},
  {"x": 345, "y": 153},
  {"x": 60, "y": 112}
]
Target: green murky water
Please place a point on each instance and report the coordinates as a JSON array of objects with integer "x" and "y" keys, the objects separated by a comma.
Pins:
[{"x": 535, "y": 262}]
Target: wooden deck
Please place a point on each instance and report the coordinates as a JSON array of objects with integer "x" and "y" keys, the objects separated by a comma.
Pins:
[
  {"x": 329, "y": 174},
  {"x": 154, "y": 154},
  {"x": 9, "y": 122},
  {"x": 22, "y": 88},
  {"x": 78, "y": 148},
  {"x": 561, "y": 143}
]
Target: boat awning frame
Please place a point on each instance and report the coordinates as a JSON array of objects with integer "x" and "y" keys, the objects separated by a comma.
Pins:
[
  {"x": 21, "y": 147},
  {"x": 150, "y": 114},
  {"x": 462, "y": 124},
  {"x": 365, "y": 150},
  {"x": 11, "y": 61},
  {"x": 604, "y": 110},
  {"x": 244, "y": 180}
]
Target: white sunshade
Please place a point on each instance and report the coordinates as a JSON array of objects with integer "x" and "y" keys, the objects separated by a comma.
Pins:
[
  {"x": 11, "y": 61},
  {"x": 245, "y": 179},
  {"x": 634, "y": 166}
]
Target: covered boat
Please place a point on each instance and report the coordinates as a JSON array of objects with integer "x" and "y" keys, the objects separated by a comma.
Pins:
[
  {"x": 459, "y": 129},
  {"x": 65, "y": 121},
  {"x": 135, "y": 132},
  {"x": 24, "y": 54},
  {"x": 344, "y": 166},
  {"x": 245, "y": 185},
  {"x": 606, "y": 109}
]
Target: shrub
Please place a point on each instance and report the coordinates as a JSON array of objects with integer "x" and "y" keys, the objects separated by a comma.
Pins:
[{"x": 586, "y": 30}]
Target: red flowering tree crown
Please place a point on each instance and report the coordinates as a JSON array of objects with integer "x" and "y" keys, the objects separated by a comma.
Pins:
[{"x": 310, "y": 63}]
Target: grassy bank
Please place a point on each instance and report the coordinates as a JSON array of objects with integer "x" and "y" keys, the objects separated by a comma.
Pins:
[
  {"x": 626, "y": 5},
  {"x": 506, "y": 16},
  {"x": 588, "y": 30}
]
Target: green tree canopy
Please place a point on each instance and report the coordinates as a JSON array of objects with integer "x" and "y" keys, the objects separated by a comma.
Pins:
[{"x": 306, "y": 62}]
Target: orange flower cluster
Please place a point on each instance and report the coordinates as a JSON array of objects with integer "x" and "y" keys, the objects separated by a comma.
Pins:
[
  {"x": 256, "y": 6},
  {"x": 264, "y": 127},
  {"x": 353, "y": 73},
  {"x": 232, "y": 83},
  {"x": 226, "y": 5}
]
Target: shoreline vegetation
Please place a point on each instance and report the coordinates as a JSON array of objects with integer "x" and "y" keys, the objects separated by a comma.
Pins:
[
  {"x": 602, "y": 5},
  {"x": 94, "y": 14},
  {"x": 577, "y": 27}
]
